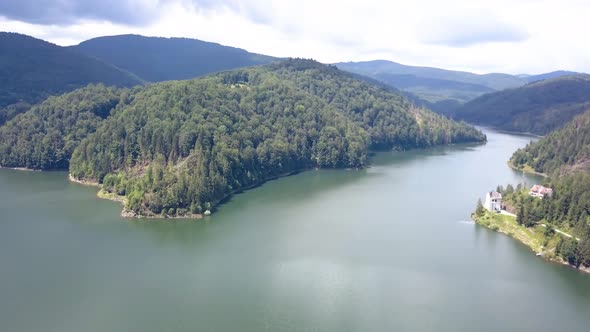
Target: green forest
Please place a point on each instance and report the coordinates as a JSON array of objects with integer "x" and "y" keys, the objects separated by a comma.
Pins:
[
  {"x": 567, "y": 209},
  {"x": 181, "y": 147},
  {"x": 563, "y": 151},
  {"x": 45, "y": 136},
  {"x": 563, "y": 155},
  {"x": 538, "y": 107}
]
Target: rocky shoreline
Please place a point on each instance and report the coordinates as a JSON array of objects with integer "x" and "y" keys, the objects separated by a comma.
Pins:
[{"x": 126, "y": 213}]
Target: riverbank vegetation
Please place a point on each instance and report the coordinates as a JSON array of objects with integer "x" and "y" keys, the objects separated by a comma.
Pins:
[
  {"x": 564, "y": 151},
  {"x": 533, "y": 237},
  {"x": 559, "y": 223},
  {"x": 564, "y": 158}
]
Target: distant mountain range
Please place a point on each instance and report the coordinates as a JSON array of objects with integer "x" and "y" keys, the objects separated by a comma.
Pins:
[
  {"x": 537, "y": 107},
  {"x": 441, "y": 90},
  {"x": 156, "y": 59},
  {"x": 32, "y": 69}
]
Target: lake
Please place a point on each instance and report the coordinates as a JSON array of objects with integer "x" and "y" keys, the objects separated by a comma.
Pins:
[{"x": 388, "y": 248}]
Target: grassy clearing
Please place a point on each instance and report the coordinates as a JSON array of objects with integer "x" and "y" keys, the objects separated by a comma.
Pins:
[
  {"x": 112, "y": 196},
  {"x": 533, "y": 237}
]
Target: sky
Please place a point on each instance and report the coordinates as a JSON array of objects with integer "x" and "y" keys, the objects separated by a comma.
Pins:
[{"x": 511, "y": 36}]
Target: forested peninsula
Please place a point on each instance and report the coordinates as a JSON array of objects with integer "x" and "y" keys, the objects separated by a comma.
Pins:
[
  {"x": 179, "y": 148},
  {"x": 555, "y": 227}
]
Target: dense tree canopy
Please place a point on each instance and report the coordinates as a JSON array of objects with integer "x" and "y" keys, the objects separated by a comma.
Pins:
[
  {"x": 563, "y": 151},
  {"x": 567, "y": 209},
  {"x": 45, "y": 136},
  {"x": 390, "y": 119},
  {"x": 539, "y": 107},
  {"x": 180, "y": 147},
  {"x": 565, "y": 155}
]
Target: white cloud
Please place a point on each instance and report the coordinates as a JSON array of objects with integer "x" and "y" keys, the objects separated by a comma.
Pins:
[{"x": 502, "y": 36}]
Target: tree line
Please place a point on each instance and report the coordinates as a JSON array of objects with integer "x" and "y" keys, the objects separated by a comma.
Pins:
[
  {"x": 181, "y": 147},
  {"x": 563, "y": 151},
  {"x": 568, "y": 208}
]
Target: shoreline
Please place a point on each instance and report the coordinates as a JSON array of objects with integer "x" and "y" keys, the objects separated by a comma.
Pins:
[
  {"x": 26, "y": 169},
  {"x": 539, "y": 251},
  {"x": 506, "y": 131},
  {"x": 126, "y": 213},
  {"x": 21, "y": 169},
  {"x": 525, "y": 170}
]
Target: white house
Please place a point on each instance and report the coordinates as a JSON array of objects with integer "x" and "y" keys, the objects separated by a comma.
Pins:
[
  {"x": 540, "y": 191},
  {"x": 493, "y": 201}
]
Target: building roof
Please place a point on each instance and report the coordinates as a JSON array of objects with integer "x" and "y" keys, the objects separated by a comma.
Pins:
[
  {"x": 538, "y": 189},
  {"x": 495, "y": 194}
]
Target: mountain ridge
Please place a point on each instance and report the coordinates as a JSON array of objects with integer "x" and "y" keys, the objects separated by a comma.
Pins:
[
  {"x": 32, "y": 69},
  {"x": 157, "y": 59},
  {"x": 538, "y": 107},
  {"x": 442, "y": 90},
  {"x": 564, "y": 151}
]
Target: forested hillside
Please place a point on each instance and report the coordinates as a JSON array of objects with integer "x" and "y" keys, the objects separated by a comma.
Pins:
[
  {"x": 46, "y": 136},
  {"x": 565, "y": 156},
  {"x": 32, "y": 69},
  {"x": 563, "y": 151},
  {"x": 158, "y": 59},
  {"x": 538, "y": 107},
  {"x": 568, "y": 209},
  {"x": 181, "y": 147}
]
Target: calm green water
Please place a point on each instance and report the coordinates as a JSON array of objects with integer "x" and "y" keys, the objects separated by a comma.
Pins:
[{"x": 382, "y": 249}]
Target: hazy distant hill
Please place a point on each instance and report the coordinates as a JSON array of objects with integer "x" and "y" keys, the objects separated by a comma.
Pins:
[
  {"x": 380, "y": 67},
  {"x": 538, "y": 107},
  {"x": 441, "y": 90},
  {"x": 32, "y": 69},
  {"x": 158, "y": 59},
  {"x": 553, "y": 74},
  {"x": 433, "y": 84}
]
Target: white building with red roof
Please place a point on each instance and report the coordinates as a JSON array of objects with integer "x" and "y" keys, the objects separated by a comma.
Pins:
[
  {"x": 540, "y": 191},
  {"x": 493, "y": 201}
]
